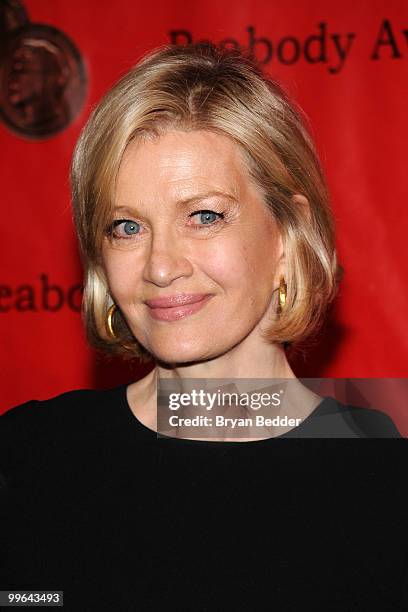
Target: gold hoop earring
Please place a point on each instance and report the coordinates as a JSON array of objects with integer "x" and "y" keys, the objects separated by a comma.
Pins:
[
  {"x": 282, "y": 293},
  {"x": 109, "y": 323},
  {"x": 109, "y": 326}
]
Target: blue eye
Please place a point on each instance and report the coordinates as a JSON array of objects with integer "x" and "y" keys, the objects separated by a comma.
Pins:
[
  {"x": 207, "y": 216},
  {"x": 130, "y": 227}
]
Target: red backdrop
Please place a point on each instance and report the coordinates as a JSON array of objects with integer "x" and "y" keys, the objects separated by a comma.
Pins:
[{"x": 346, "y": 64}]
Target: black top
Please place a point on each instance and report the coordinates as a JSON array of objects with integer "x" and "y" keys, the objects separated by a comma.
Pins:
[{"x": 93, "y": 503}]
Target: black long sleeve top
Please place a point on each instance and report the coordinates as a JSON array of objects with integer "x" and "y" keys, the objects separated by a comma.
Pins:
[{"x": 94, "y": 504}]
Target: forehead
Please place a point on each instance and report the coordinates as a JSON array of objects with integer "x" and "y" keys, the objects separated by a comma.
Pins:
[{"x": 177, "y": 162}]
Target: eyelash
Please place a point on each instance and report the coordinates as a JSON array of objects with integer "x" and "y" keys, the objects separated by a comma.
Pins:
[{"x": 117, "y": 222}]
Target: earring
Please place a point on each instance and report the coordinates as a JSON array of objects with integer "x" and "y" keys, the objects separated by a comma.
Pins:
[
  {"x": 282, "y": 293},
  {"x": 109, "y": 325}
]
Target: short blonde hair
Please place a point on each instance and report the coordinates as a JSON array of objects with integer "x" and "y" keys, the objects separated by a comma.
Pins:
[{"x": 201, "y": 86}]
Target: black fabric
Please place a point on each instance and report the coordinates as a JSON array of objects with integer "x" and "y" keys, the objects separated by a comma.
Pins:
[{"x": 95, "y": 504}]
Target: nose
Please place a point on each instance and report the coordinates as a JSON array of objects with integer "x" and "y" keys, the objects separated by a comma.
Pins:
[{"x": 167, "y": 260}]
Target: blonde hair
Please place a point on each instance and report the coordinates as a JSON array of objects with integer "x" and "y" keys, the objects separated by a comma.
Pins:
[{"x": 201, "y": 86}]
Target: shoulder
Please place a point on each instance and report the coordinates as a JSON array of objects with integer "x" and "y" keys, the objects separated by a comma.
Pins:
[
  {"x": 343, "y": 420},
  {"x": 42, "y": 436},
  {"x": 35, "y": 411},
  {"x": 373, "y": 423},
  {"x": 68, "y": 398},
  {"x": 72, "y": 411}
]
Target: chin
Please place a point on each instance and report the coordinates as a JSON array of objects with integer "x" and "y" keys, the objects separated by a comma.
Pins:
[{"x": 182, "y": 353}]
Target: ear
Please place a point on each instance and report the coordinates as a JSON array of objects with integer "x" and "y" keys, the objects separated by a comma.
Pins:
[{"x": 303, "y": 202}]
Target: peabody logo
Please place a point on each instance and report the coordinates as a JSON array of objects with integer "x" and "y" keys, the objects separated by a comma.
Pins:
[
  {"x": 42, "y": 76},
  {"x": 332, "y": 49}
]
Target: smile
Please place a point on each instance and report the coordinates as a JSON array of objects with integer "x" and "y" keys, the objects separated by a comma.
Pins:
[{"x": 173, "y": 313}]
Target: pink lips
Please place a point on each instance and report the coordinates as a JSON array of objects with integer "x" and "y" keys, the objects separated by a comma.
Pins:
[{"x": 176, "y": 307}]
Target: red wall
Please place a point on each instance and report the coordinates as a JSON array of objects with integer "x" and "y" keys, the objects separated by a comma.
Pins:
[{"x": 358, "y": 108}]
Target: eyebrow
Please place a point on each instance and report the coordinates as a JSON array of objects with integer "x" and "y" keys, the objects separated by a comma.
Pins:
[{"x": 184, "y": 202}]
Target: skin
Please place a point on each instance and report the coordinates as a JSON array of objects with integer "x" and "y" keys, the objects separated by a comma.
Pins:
[{"x": 238, "y": 259}]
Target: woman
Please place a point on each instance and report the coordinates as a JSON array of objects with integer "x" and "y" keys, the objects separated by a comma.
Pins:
[{"x": 207, "y": 242}]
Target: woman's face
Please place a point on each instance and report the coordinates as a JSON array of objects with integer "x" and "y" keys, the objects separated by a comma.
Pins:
[{"x": 167, "y": 247}]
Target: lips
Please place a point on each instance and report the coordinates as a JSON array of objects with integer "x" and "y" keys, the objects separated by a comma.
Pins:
[
  {"x": 176, "y": 307},
  {"x": 180, "y": 299}
]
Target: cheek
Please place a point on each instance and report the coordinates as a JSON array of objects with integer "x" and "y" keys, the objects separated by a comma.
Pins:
[
  {"x": 121, "y": 275},
  {"x": 220, "y": 257},
  {"x": 262, "y": 254},
  {"x": 235, "y": 264}
]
